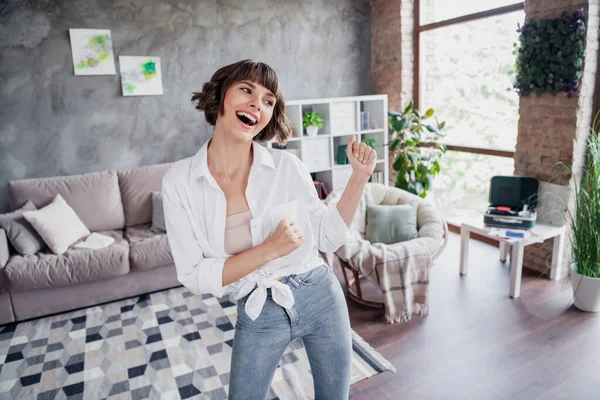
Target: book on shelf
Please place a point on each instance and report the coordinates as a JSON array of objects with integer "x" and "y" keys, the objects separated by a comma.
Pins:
[{"x": 377, "y": 177}]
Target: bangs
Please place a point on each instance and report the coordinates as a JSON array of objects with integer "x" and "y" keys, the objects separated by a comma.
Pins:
[
  {"x": 210, "y": 99},
  {"x": 257, "y": 72}
]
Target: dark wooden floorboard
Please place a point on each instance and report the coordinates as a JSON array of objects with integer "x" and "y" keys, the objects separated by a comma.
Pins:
[{"x": 479, "y": 344}]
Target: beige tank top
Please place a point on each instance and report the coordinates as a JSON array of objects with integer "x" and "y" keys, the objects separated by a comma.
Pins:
[{"x": 238, "y": 236}]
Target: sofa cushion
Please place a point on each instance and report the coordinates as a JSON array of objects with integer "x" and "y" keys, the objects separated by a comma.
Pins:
[
  {"x": 95, "y": 197},
  {"x": 58, "y": 224},
  {"x": 147, "y": 249},
  {"x": 158, "y": 214},
  {"x": 4, "y": 251},
  {"x": 46, "y": 269},
  {"x": 137, "y": 186},
  {"x": 23, "y": 237}
]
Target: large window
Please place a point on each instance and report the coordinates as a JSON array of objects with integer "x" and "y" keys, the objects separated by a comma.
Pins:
[
  {"x": 465, "y": 72},
  {"x": 441, "y": 10}
]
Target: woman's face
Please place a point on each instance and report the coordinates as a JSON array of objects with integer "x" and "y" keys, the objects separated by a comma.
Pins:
[{"x": 247, "y": 109}]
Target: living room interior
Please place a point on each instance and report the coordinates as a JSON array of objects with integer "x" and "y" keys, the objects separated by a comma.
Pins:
[{"x": 474, "y": 270}]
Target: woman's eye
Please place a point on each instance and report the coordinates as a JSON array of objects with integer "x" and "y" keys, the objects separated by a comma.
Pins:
[
  {"x": 269, "y": 102},
  {"x": 246, "y": 90}
]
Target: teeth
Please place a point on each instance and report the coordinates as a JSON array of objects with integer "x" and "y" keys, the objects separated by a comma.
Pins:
[{"x": 250, "y": 117}]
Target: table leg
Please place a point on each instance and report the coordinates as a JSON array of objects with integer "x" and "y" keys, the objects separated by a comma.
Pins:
[
  {"x": 557, "y": 256},
  {"x": 503, "y": 250},
  {"x": 516, "y": 269},
  {"x": 464, "y": 249}
]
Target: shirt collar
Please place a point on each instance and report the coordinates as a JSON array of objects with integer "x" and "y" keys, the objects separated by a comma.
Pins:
[{"x": 199, "y": 166}]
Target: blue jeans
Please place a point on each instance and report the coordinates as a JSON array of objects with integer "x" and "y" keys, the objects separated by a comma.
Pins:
[{"x": 319, "y": 316}]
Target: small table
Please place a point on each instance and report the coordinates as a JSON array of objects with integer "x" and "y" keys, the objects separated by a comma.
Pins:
[{"x": 537, "y": 234}]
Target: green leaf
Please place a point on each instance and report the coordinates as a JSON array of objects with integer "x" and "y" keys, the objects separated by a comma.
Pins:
[
  {"x": 399, "y": 162},
  {"x": 408, "y": 107},
  {"x": 429, "y": 112},
  {"x": 394, "y": 144},
  {"x": 312, "y": 118},
  {"x": 399, "y": 124},
  {"x": 412, "y": 142}
]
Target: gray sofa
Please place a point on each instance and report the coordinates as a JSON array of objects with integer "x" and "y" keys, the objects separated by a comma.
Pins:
[{"x": 114, "y": 203}]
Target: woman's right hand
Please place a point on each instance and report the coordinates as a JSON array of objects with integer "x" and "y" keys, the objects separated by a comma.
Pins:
[{"x": 286, "y": 237}]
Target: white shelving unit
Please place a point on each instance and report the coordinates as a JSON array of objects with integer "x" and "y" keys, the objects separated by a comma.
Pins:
[{"x": 341, "y": 120}]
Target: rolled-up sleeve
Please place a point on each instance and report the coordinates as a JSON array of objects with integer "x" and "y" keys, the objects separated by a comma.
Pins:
[
  {"x": 327, "y": 223},
  {"x": 194, "y": 271}
]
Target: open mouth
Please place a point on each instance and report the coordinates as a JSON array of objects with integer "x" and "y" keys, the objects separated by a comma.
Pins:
[{"x": 246, "y": 118}]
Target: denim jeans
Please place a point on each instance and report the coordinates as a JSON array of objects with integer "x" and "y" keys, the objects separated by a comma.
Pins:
[{"x": 319, "y": 316}]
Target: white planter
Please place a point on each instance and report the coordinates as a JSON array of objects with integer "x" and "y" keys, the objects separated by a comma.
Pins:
[
  {"x": 312, "y": 130},
  {"x": 586, "y": 291}
]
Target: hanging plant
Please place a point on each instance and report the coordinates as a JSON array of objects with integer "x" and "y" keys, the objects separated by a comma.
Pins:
[{"x": 550, "y": 54}]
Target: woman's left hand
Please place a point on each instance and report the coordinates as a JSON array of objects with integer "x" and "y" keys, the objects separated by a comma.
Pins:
[{"x": 362, "y": 157}]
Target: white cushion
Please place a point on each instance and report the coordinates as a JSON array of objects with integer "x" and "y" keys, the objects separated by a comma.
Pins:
[{"x": 58, "y": 224}]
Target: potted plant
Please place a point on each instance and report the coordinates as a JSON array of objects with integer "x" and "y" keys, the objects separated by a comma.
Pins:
[
  {"x": 416, "y": 164},
  {"x": 312, "y": 122},
  {"x": 585, "y": 230}
]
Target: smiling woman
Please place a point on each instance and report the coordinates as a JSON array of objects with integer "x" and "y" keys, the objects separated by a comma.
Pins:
[
  {"x": 247, "y": 77},
  {"x": 246, "y": 220}
]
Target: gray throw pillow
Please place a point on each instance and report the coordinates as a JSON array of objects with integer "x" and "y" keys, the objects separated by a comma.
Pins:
[
  {"x": 391, "y": 224},
  {"x": 158, "y": 216},
  {"x": 20, "y": 233}
]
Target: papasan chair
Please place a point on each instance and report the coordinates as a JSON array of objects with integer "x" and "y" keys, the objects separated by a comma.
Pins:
[{"x": 402, "y": 278}]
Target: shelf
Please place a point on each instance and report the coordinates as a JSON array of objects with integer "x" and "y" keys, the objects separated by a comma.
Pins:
[
  {"x": 314, "y": 171},
  {"x": 366, "y": 132},
  {"x": 341, "y": 166},
  {"x": 341, "y": 120},
  {"x": 343, "y": 134},
  {"x": 314, "y": 137},
  {"x": 370, "y": 131}
]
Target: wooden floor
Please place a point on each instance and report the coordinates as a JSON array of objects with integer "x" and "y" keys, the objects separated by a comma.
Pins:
[{"x": 479, "y": 344}]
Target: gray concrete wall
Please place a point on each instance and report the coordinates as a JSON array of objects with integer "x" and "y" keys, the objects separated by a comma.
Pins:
[{"x": 54, "y": 123}]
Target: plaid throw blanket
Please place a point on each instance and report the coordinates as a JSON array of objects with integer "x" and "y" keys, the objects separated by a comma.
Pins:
[{"x": 400, "y": 270}]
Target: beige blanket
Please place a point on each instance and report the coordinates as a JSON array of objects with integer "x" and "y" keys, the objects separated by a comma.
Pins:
[{"x": 401, "y": 270}]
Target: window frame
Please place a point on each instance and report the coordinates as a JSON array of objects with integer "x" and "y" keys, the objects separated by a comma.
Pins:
[{"x": 418, "y": 29}]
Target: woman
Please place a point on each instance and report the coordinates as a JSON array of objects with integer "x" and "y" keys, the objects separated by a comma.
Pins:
[{"x": 246, "y": 220}]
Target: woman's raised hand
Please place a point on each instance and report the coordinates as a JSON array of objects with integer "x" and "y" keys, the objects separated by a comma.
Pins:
[{"x": 362, "y": 157}]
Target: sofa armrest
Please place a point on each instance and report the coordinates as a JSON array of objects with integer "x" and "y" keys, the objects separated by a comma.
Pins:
[{"x": 4, "y": 253}]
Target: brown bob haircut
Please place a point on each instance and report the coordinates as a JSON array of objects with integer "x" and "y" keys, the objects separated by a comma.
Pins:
[{"x": 210, "y": 99}]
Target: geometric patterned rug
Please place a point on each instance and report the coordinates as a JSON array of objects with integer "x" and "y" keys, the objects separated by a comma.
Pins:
[{"x": 170, "y": 344}]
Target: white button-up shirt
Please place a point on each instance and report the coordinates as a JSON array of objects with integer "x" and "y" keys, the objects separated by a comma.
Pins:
[{"x": 279, "y": 186}]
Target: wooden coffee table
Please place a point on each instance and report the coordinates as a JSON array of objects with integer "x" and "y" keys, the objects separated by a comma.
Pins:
[{"x": 537, "y": 234}]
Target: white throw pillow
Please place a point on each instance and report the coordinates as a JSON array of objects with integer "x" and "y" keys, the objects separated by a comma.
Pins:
[{"x": 57, "y": 224}]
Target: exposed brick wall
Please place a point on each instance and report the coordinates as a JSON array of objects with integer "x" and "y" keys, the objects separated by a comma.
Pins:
[
  {"x": 392, "y": 57},
  {"x": 553, "y": 130},
  {"x": 407, "y": 22},
  {"x": 386, "y": 56}
]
